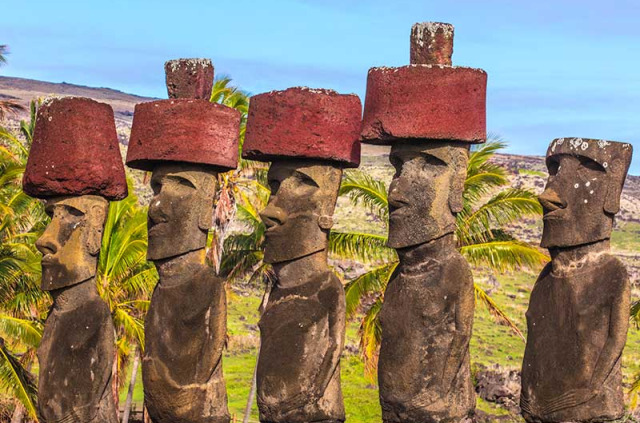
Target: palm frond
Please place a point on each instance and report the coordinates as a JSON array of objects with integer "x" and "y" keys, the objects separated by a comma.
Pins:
[
  {"x": 503, "y": 256},
  {"x": 371, "y": 337},
  {"x": 361, "y": 188},
  {"x": 373, "y": 282},
  {"x": 15, "y": 379},
  {"x": 363, "y": 247},
  {"x": 26, "y": 332},
  {"x": 496, "y": 311}
]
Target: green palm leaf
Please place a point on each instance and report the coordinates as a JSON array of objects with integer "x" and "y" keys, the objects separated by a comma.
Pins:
[
  {"x": 373, "y": 282},
  {"x": 504, "y": 256},
  {"x": 15, "y": 379},
  {"x": 361, "y": 188},
  {"x": 359, "y": 246}
]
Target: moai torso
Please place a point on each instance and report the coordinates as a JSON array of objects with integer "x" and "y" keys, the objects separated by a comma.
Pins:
[
  {"x": 75, "y": 166},
  {"x": 578, "y": 312},
  {"x": 185, "y": 335},
  {"x": 569, "y": 321},
  {"x": 76, "y": 360},
  {"x": 424, "y": 372},
  {"x": 302, "y": 336}
]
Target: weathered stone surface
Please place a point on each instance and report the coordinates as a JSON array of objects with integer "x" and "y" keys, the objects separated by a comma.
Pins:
[
  {"x": 189, "y": 78},
  {"x": 185, "y": 332},
  {"x": 78, "y": 347},
  {"x": 184, "y": 130},
  {"x": 425, "y": 102},
  {"x": 302, "y": 327},
  {"x": 75, "y": 151},
  {"x": 431, "y": 43},
  {"x": 304, "y": 123},
  {"x": 185, "y": 328},
  {"x": 578, "y": 313},
  {"x": 500, "y": 386}
]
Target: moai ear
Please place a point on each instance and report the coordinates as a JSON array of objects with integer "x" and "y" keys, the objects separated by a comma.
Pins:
[
  {"x": 456, "y": 201},
  {"x": 95, "y": 219},
  {"x": 208, "y": 192},
  {"x": 614, "y": 188},
  {"x": 325, "y": 222}
]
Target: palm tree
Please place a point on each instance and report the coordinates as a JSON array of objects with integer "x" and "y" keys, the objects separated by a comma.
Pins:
[
  {"x": 7, "y": 106},
  {"x": 23, "y": 306},
  {"x": 480, "y": 240},
  {"x": 125, "y": 280}
]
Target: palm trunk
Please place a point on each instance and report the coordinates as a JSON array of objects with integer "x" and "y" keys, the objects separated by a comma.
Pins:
[
  {"x": 18, "y": 413},
  {"x": 252, "y": 392},
  {"x": 132, "y": 383}
]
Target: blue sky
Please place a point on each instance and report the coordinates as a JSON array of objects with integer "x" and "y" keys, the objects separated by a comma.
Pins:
[{"x": 556, "y": 68}]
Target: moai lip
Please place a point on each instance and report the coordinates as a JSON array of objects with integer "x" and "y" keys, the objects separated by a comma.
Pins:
[
  {"x": 185, "y": 141},
  {"x": 578, "y": 313},
  {"x": 310, "y": 136},
  {"x": 429, "y": 112},
  {"x": 189, "y": 78},
  {"x": 75, "y": 153}
]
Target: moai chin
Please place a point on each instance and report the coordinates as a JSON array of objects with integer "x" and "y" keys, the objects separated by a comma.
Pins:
[
  {"x": 309, "y": 136},
  {"x": 429, "y": 112},
  {"x": 579, "y": 308},
  {"x": 75, "y": 166},
  {"x": 185, "y": 142}
]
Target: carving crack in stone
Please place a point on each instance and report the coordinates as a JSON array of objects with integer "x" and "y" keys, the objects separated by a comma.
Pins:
[{"x": 578, "y": 311}]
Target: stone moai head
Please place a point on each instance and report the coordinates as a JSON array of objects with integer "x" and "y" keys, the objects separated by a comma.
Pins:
[
  {"x": 75, "y": 166},
  {"x": 583, "y": 191},
  {"x": 310, "y": 136},
  {"x": 185, "y": 142},
  {"x": 429, "y": 112}
]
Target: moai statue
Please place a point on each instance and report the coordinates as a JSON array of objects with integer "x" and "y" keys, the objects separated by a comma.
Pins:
[
  {"x": 429, "y": 112},
  {"x": 185, "y": 142},
  {"x": 579, "y": 309},
  {"x": 75, "y": 166},
  {"x": 310, "y": 136}
]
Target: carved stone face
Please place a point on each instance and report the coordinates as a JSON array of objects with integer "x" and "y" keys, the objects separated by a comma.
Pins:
[
  {"x": 299, "y": 214},
  {"x": 181, "y": 209},
  {"x": 71, "y": 242},
  {"x": 574, "y": 202},
  {"x": 426, "y": 191}
]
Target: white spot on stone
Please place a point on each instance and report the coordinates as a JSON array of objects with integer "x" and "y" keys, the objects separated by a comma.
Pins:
[
  {"x": 602, "y": 143},
  {"x": 587, "y": 184},
  {"x": 576, "y": 185},
  {"x": 157, "y": 203},
  {"x": 605, "y": 165},
  {"x": 586, "y": 201},
  {"x": 50, "y": 118},
  {"x": 591, "y": 192},
  {"x": 584, "y": 146}
]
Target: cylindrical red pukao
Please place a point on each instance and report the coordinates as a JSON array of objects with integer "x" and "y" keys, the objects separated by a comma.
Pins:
[
  {"x": 75, "y": 151},
  {"x": 304, "y": 123},
  {"x": 425, "y": 102},
  {"x": 189, "y": 78},
  {"x": 184, "y": 130}
]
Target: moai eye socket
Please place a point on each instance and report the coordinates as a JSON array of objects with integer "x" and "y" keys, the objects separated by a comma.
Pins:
[
  {"x": 274, "y": 185},
  {"x": 553, "y": 165}
]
